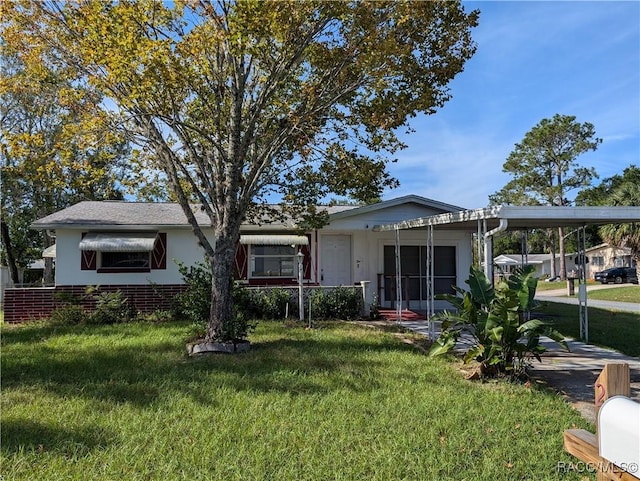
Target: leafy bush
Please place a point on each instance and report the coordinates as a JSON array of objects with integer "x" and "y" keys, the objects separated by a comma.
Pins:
[
  {"x": 68, "y": 315},
  {"x": 340, "y": 303},
  {"x": 111, "y": 308},
  {"x": 503, "y": 338},
  {"x": 194, "y": 303},
  {"x": 264, "y": 304},
  {"x": 157, "y": 316}
]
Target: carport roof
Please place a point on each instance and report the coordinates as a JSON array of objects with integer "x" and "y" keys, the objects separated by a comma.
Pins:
[{"x": 521, "y": 218}]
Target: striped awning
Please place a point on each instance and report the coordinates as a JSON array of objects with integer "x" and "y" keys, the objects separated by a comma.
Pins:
[
  {"x": 119, "y": 242},
  {"x": 275, "y": 240}
]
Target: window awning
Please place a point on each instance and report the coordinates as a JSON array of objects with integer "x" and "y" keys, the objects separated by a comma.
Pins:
[
  {"x": 119, "y": 242},
  {"x": 275, "y": 240}
]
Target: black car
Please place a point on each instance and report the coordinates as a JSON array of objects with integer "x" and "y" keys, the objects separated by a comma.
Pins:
[{"x": 617, "y": 275}]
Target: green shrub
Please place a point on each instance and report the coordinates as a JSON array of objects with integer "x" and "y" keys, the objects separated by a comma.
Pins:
[
  {"x": 68, "y": 315},
  {"x": 111, "y": 308},
  {"x": 339, "y": 303},
  {"x": 194, "y": 303},
  {"x": 157, "y": 316}
]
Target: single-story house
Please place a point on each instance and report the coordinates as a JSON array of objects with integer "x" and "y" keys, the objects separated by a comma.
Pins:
[
  {"x": 599, "y": 258},
  {"x": 605, "y": 256},
  {"x": 506, "y": 263},
  {"x": 134, "y": 247}
]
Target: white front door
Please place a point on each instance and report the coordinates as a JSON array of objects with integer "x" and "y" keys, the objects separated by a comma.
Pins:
[{"x": 336, "y": 260}]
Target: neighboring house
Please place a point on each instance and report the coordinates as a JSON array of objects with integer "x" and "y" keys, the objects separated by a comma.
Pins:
[
  {"x": 506, "y": 263},
  {"x": 605, "y": 256},
  {"x": 135, "y": 247}
]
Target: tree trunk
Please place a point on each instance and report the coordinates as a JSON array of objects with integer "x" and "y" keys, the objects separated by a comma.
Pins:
[
  {"x": 563, "y": 262},
  {"x": 8, "y": 248},
  {"x": 552, "y": 248},
  {"x": 221, "y": 288}
]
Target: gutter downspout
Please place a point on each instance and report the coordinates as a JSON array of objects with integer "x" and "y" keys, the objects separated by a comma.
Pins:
[{"x": 488, "y": 248}]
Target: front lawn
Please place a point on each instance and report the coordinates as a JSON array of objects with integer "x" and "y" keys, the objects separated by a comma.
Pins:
[
  {"x": 613, "y": 329},
  {"x": 341, "y": 402},
  {"x": 618, "y": 294}
]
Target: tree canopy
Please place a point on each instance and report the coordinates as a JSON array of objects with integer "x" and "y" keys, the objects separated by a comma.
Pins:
[
  {"x": 543, "y": 166},
  {"x": 544, "y": 169},
  {"x": 57, "y": 148},
  {"x": 240, "y": 102}
]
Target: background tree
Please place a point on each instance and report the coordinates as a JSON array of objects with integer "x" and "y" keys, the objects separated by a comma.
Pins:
[
  {"x": 242, "y": 102},
  {"x": 544, "y": 170},
  {"x": 621, "y": 189},
  {"x": 56, "y": 149}
]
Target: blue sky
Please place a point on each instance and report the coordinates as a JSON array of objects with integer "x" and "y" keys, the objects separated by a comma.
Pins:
[{"x": 534, "y": 59}]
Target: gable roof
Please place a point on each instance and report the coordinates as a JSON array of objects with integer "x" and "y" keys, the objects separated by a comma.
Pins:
[
  {"x": 118, "y": 215},
  {"x": 406, "y": 199},
  {"x": 123, "y": 215}
]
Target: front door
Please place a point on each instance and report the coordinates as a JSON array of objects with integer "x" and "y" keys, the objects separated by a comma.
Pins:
[{"x": 336, "y": 260}]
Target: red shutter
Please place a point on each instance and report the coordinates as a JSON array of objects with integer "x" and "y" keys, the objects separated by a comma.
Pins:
[
  {"x": 306, "y": 262},
  {"x": 241, "y": 262},
  {"x": 87, "y": 259},
  {"x": 159, "y": 254}
]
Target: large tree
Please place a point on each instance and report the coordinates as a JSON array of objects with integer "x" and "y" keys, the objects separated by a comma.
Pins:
[
  {"x": 57, "y": 148},
  {"x": 544, "y": 169},
  {"x": 241, "y": 101}
]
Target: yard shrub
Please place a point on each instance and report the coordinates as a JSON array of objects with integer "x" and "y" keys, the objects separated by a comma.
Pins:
[
  {"x": 503, "y": 339},
  {"x": 339, "y": 303},
  {"x": 194, "y": 303},
  {"x": 111, "y": 308},
  {"x": 68, "y": 315},
  {"x": 271, "y": 303}
]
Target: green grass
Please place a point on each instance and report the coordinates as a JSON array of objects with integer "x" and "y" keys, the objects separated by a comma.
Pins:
[
  {"x": 341, "y": 402},
  {"x": 619, "y": 294},
  {"x": 614, "y": 329},
  {"x": 550, "y": 286}
]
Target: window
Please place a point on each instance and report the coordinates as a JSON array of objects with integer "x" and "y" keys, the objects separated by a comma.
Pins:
[
  {"x": 273, "y": 261},
  {"x": 597, "y": 260},
  {"x": 113, "y": 252},
  {"x": 125, "y": 260}
]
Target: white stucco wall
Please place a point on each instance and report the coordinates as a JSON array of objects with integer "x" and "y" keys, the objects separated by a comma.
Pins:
[
  {"x": 367, "y": 247},
  {"x": 181, "y": 245}
]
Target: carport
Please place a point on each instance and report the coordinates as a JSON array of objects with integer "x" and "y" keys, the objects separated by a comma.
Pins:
[{"x": 489, "y": 221}]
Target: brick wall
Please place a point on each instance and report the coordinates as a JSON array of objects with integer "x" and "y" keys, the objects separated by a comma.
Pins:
[
  {"x": 37, "y": 303},
  {"x": 22, "y": 304}
]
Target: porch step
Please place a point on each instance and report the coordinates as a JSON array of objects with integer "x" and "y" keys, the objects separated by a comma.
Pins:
[{"x": 407, "y": 315}]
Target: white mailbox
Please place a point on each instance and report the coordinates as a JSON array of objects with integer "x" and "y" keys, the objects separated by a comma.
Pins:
[{"x": 619, "y": 432}]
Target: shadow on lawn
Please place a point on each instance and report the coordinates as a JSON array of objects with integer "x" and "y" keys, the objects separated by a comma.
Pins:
[
  {"x": 141, "y": 375},
  {"x": 28, "y": 435}
]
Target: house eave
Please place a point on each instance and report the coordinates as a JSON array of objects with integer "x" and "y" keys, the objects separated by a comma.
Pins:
[
  {"x": 110, "y": 227},
  {"x": 522, "y": 217}
]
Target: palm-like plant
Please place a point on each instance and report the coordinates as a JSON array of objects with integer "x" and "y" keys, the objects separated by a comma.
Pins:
[
  {"x": 624, "y": 235},
  {"x": 496, "y": 322}
]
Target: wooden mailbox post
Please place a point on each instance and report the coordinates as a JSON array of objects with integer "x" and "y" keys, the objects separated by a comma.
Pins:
[{"x": 614, "y": 380}]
